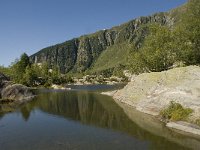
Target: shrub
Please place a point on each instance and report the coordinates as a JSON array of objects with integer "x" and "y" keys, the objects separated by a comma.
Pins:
[
  {"x": 68, "y": 79},
  {"x": 175, "y": 112}
]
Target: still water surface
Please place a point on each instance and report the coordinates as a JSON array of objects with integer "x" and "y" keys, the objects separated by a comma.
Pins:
[{"x": 84, "y": 120}]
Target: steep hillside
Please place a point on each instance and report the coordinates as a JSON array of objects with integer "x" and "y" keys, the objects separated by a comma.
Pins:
[{"x": 104, "y": 49}]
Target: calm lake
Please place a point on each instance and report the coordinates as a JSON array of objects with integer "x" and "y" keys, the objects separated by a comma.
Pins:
[{"x": 83, "y": 119}]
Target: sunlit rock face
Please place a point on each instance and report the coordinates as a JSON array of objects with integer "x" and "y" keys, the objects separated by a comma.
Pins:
[{"x": 152, "y": 92}]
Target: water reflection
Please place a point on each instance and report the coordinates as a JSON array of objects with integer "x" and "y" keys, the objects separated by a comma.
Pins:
[{"x": 101, "y": 111}]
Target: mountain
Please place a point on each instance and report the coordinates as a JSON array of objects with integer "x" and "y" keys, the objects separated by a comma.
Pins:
[{"x": 105, "y": 49}]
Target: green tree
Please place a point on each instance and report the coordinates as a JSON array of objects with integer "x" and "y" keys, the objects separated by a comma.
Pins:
[
  {"x": 19, "y": 68},
  {"x": 187, "y": 34},
  {"x": 137, "y": 63},
  {"x": 56, "y": 75},
  {"x": 44, "y": 71},
  {"x": 158, "y": 52},
  {"x": 30, "y": 77}
]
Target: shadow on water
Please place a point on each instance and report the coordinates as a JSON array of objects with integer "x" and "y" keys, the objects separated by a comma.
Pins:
[{"x": 101, "y": 111}]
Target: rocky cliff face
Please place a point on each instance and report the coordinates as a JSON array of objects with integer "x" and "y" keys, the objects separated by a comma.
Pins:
[{"x": 79, "y": 54}]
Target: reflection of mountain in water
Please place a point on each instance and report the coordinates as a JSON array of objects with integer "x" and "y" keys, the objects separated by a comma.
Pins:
[
  {"x": 88, "y": 108},
  {"x": 94, "y": 109}
]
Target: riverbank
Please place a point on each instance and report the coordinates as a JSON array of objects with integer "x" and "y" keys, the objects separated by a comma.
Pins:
[{"x": 150, "y": 93}]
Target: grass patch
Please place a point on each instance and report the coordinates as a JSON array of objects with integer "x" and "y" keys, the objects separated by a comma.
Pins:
[
  {"x": 175, "y": 112},
  {"x": 113, "y": 56}
]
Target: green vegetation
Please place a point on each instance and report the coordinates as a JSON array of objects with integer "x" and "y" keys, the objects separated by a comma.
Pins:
[
  {"x": 113, "y": 59},
  {"x": 5, "y": 70},
  {"x": 24, "y": 72},
  {"x": 175, "y": 112},
  {"x": 19, "y": 68},
  {"x": 157, "y": 53},
  {"x": 106, "y": 59},
  {"x": 166, "y": 46},
  {"x": 189, "y": 32}
]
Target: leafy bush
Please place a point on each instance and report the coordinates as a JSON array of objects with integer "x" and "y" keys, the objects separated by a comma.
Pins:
[
  {"x": 175, "y": 112},
  {"x": 68, "y": 79}
]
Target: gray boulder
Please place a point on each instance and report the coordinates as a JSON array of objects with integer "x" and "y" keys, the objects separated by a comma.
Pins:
[
  {"x": 13, "y": 92},
  {"x": 16, "y": 92}
]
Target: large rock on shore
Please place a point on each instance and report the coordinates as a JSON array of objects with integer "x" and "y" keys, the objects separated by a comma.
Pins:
[
  {"x": 13, "y": 92},
  {"x": 151, "y": 92},
  {"x": 16, "y": 92}
]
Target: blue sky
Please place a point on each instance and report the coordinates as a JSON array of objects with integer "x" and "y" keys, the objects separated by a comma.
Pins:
[{"x": 30, "y": 25}]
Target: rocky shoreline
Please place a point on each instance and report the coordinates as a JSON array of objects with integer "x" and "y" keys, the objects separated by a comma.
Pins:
[
  {"x": 150, "y": 93},
  {"x": 98, "y": 79}
]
